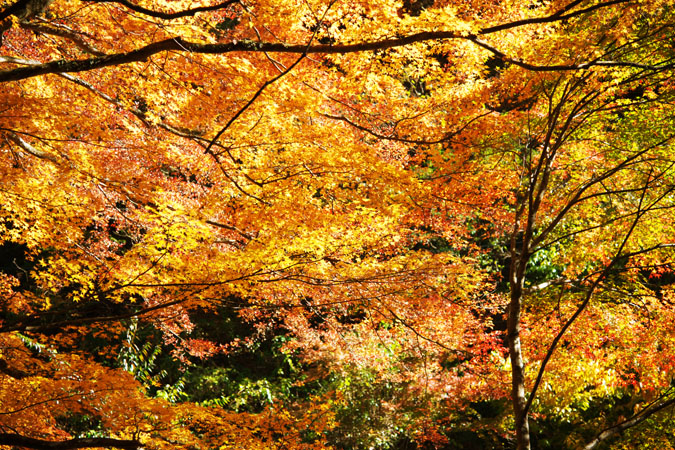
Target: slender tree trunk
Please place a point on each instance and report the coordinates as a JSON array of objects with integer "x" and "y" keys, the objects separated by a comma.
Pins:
[{"x": 516, "y": 355}]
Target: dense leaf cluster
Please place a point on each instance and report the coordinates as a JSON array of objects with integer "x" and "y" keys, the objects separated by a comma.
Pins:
[{"x": 400, "y": 225}]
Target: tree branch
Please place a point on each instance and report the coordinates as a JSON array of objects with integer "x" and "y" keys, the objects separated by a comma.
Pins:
[
  {"x": 566, "y": 67},
  {"x": 170, "y": 16},
  {"x": 14, "y": 9},
  {"x": 30, "y": 149},
  {"x": 555, "y": 17},
  {"x": 635, "y": 420},
  {"x": 619, "y": 254},
  {"x": 350, "y": 122},
  {"x": 182, "y": 45},
  {"x": 40, "y": 444},
  {"x": 64, "y": 32}
]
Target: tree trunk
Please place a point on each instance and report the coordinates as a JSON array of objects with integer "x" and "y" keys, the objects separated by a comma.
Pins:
[{"x": 516, "y": 355}]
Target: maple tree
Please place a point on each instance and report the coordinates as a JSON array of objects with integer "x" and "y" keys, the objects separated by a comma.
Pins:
[{"x": 441, "y": 206}]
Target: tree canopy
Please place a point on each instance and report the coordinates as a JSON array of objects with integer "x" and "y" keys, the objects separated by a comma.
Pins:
[{"x": 337, "y": 224}]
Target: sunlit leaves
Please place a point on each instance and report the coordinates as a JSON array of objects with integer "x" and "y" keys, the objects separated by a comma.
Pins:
[{"x": 371, "y": 206}]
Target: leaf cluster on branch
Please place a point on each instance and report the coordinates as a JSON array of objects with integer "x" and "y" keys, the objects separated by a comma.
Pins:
[{"x": 331, "y": 224}]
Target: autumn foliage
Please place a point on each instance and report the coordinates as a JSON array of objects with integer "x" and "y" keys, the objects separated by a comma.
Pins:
[{"x": 337, "y": 224}]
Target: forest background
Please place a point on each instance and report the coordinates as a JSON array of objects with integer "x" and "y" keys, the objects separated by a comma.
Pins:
[{"x": 337, "y": 224}]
